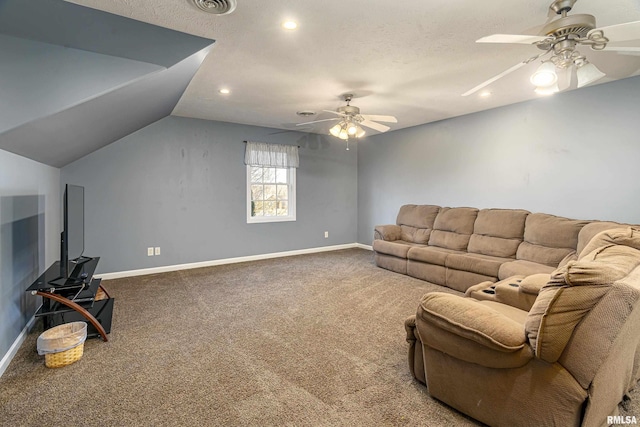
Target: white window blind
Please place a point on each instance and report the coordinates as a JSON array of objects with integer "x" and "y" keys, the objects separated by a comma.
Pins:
[{"x": 271, "y": 155}]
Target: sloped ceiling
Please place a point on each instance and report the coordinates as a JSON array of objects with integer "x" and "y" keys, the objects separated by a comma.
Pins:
[{"x": 76, "y": 79}]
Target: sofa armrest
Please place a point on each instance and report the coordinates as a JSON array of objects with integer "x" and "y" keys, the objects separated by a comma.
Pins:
[
  {"x": 416, "y": 360},
  {"x": 532, "y": 284},
  {"x": 388, "y": 232},
  {"x": 469, "y": 330},
  {"x": 410, "y": 328}
]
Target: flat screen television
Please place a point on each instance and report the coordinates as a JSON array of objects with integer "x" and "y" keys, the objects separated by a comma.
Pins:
[{"x": 72, "y": 236}]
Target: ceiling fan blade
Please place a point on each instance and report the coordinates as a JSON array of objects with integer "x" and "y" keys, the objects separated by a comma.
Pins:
[
  {"x": 623, "y": 49},
  {"x": 335, "y": 112},
  {"x": 504, "y": 73},
  {"x": 316, "y": 121},
  {"x": 387, "y": 119},
  {"x": 493, "y": 79},
  {"x": 512, "y": 38},
  {"x": 621, "y": 32},
  {"x": 374, "y": 125}
]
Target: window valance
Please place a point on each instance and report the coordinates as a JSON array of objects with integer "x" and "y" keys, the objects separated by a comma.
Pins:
[{"x": 271, "y": 155}]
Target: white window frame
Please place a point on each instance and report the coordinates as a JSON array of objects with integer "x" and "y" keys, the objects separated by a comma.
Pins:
[{"x": 291, "y": 183}]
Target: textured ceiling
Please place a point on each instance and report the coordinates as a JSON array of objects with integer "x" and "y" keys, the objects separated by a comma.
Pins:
[{"x": 412, "y": 59}]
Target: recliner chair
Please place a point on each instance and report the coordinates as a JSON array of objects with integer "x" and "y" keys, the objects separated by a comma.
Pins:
[{"x": 568, "y": 361}]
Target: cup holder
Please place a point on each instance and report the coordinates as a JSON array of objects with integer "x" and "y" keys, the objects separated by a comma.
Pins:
[{"x": 489, "y": 291}]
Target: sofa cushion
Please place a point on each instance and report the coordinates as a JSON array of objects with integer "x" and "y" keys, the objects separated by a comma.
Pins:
[
  {"x": 549, "y": 238},
  {"x": 415, "y": 235},
  {"x": 522, "y": 267},
  {"x": 542, "y": 254},
  {"x": 418, "y": 216},
  {"x": 590, "y": 230},
  {"x": 453, "y": 227},
  {"x": 628, "y": 236},
  {"x": 430, "y": 254},
  {"x": 475, "y": 263},
  {"x": 494, "y": 246},
  {"x": 469, "y": 319},
  {"x": 498, "y": 232},
  {"x": 416, "y": 222},
  {"x": 397, "y": 248},
  {"x": 505, "y": 223}
]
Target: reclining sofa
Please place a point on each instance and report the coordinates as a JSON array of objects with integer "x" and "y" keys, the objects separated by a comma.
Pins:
[
  {"x": 547, "y": 331},
  {"x": 461, "y": 247},
  {"x": 568, "y": 361}
]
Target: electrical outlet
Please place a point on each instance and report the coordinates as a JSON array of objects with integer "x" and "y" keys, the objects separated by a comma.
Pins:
[
  {"x": 157, "y": 250},
  {"x": 149, "y": 251},
  {"x": 326, "y": 234}
]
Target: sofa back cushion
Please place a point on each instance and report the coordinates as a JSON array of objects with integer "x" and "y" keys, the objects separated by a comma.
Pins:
[
  {"x": 453, "y": 228},
  {"x": 416, "y": 222},
  {"x": 627, "y": 236},
  {"x": 549, "y": 238},
  {"x": 498, "y": 232},
  {"x": 593, "y": 228}
]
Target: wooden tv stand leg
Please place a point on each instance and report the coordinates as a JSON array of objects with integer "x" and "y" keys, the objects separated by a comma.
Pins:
[{"x": 78, "y": 308}]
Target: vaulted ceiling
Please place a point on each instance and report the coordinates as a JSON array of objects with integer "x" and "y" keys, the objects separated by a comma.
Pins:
[{"x": 83, "y": 75}]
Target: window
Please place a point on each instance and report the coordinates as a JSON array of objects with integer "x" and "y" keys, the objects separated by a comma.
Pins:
[
  {"x": 271, "y": 182},
  {"x": 271, "y": 194}
]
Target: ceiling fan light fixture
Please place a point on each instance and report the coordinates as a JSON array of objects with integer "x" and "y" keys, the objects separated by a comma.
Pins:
[
  {"x": 335, "y": 130},
  {"x": 545, "y": 75},
  {"x": 346, "y": 129},
  {"x": 588, "y": 73},
  {"x": 547, "y": 90}
]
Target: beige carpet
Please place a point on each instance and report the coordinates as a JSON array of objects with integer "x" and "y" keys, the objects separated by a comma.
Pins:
[{"x": 311, "y": 340}]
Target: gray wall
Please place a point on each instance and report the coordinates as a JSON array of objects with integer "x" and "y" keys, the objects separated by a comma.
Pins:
[
  {"x": 180, "y": 184},
  {"x": 574, "y": 154},
  {"x": 29, "y": 237}
]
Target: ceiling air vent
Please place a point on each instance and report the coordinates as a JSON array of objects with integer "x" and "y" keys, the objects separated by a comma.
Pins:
[{"x": 217, "y": 7}]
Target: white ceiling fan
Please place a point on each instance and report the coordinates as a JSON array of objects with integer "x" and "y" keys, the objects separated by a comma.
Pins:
[
  {"x": 350, "y": 121},
  {"x": 560, "y": 38}
]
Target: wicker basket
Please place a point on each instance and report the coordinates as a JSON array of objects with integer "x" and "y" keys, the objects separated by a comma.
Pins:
[
  {"x": 62, "y": 345},
  {"x": 64, "y": 358}
]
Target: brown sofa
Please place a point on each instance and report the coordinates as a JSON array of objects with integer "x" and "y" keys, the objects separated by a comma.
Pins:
[
  {"x": 568, "y": 361},
  {"x": 461, "y": 247}
]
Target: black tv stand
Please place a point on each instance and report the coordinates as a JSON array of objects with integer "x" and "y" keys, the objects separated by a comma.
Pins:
[
  {"x": 82, "y": 259},
  {"x": 79, "y": 297}
]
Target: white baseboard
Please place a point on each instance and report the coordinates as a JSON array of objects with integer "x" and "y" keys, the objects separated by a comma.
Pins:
[
  {"x": 6, "y": 359},
  {"x": 361, "y": 246},
  {"x": 168, "y": 268}
]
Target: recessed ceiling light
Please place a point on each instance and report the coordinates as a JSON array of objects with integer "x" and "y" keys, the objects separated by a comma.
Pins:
[
  {"x": 289, "y": 25},
  {"x": 224, "y": 91},
  {"x": 485, "y": 94}
]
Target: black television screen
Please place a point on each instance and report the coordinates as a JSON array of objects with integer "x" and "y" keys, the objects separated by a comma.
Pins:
[{"x": 72, "y": 238}]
